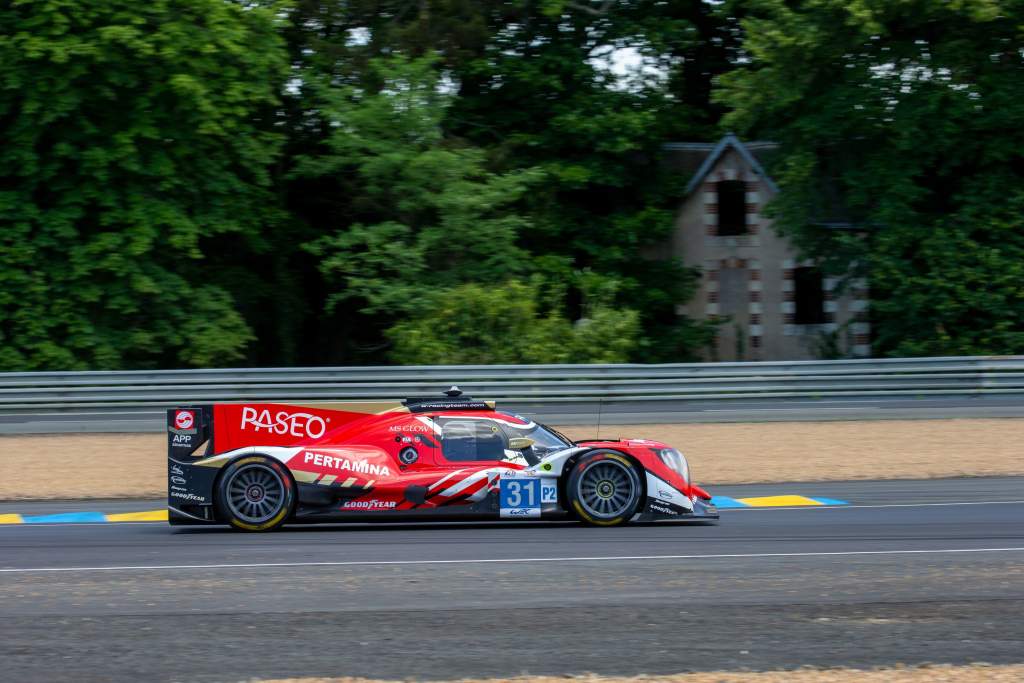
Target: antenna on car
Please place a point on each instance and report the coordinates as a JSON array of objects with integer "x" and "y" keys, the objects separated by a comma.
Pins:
[
  {"x": 600, "y": 403},
  {"x": 453, "y": 392}
]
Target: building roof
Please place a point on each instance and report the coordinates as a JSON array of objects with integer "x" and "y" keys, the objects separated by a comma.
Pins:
[
  {"x": 700, "y": 157},
  {"x": 831, "y": 211}
]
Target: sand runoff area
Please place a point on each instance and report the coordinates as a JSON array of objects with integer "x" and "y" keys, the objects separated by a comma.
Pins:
[
  {"x": 133, "y": 465},
  {"x": 975, "y": 673}
]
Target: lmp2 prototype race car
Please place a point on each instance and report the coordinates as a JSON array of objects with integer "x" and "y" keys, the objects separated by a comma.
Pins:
[{"x": 257, "y": 466}]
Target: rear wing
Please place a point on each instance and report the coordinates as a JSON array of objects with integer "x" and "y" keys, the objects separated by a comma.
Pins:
[{"x": 221, "y": 427}]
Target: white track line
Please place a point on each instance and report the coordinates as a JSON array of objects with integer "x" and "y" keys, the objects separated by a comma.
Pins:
[{"x": 614, "y": 558}]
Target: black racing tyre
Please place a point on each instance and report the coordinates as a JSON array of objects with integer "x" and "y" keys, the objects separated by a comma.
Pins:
[
  {"x": 604, "y": 488},
  {"x": 255, "y": 493}
]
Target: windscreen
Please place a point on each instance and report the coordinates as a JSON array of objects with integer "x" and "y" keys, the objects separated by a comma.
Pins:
[{"x": 545, "y": 440}]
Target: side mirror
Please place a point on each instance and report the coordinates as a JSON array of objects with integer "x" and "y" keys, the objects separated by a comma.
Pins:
[{"x": 520, "y": 443}]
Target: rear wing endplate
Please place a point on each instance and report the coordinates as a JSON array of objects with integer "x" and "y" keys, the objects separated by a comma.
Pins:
[{"x": 188, "y": 429}]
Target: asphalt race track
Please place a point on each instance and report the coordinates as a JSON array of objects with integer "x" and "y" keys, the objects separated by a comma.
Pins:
[{"x": 911, "y": 572}]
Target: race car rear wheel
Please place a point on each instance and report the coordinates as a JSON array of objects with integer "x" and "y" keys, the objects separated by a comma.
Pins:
[
  {"x": 604, "y": 488},
  {"x": 255, "y": 494}
]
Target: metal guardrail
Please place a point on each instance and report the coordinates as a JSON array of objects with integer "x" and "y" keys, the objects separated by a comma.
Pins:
[{"x": 24, "y": 392}]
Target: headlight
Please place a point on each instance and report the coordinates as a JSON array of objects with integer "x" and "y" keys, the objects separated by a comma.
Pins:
[{"x": 675, "y": 461}]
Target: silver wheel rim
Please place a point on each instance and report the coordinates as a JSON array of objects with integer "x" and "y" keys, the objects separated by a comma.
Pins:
[
  {"x": 606, "y": 489},
  {"x": 255, "y": 494}
]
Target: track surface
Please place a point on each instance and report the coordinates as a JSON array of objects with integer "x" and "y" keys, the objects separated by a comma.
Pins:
[
  {"x": 920, "y": 579},
  {"x": 611, "y": 412}
]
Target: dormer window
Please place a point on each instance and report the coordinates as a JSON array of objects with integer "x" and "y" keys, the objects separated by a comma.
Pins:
[{"x": 732, "y": 208}]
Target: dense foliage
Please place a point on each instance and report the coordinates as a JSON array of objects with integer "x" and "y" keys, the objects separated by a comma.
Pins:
[
  {"x": 213, "y": 182},
  {"x": 475, "y": 323},
  {"x": 132, "y": 132},
  {"x": 904, "y": 117}
]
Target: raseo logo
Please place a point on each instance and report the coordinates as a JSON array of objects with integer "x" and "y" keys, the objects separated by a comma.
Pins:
[
  {"x": 184, "y": 419},
  {"x": 301, "y": 425}
]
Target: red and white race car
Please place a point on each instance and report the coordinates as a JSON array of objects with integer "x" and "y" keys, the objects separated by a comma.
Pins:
[{"x": 257, "y": 466}]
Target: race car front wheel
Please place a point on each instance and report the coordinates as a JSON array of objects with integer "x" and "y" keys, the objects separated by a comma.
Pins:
[
  {"x": 255, "y": 494},
  {"x": 604, "y": 488}
]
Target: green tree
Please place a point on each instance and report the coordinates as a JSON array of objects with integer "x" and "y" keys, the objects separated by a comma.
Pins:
[
  {"x": 531, "y": 88},
  {"x": 507, "y": 323},
  {"x": 902, "y": 117},
  {"x": 424, "y": 212},
  {"x": 543, "y": 93},
  {"x": 134, "y": 134}
]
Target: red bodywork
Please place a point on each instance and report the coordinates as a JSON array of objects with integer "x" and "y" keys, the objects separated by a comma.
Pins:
[{"x": 350, "y": 461}]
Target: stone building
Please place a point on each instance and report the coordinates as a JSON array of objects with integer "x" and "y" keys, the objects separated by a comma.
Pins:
[{"x": 774, "y": 305}]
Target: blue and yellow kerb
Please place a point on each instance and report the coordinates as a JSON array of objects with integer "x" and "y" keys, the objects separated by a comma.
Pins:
[
  {"x": 786, "y": 501},
  {"x": 721, "y": 502},
  {"x": 86, "y": 517}
]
